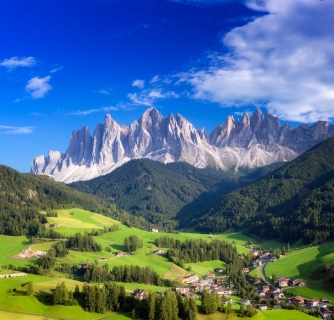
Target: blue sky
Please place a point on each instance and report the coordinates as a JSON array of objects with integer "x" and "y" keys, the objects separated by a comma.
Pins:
[{"x": 64, "y": 64}]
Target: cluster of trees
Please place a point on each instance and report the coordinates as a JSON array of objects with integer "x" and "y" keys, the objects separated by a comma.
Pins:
[
  {"x": 60, "y": 249},
  {"x": 51, "y": 213},
  {"x": 83, "y": 242},
  {"x": 188, "y": 251},
  {"x": 65, "y": 297},
  {"x": 126, "y": 273},
  {"x": 132, "y": 243},
  {"x": 293, "y": 202}
]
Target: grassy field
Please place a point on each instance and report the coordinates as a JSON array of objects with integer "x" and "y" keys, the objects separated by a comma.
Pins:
[
  {"x": 11, "y": 246},
  {"x": 301, "y": 263},
  {"x": 76, "y": 220},
  {"x": 203, "y": 268},
  {"x": 261, "y": 315}
]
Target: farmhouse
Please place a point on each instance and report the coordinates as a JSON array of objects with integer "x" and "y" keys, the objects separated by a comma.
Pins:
[
  {"x": 265, "y": 288},
  {"x": 154, "y": 230},
  {"x": 246, "y": 302},
  {"x": 190, "y": 278},
  {"x": 140, "y": 294},
  {"x": 283, "y": 283},
  {"x": 160, "y": 251},
  {"x": 219, "y": 270},
  {"x": 210, "y": 276},
  {"x": 245, "y": 270},
  {"x": 228, "y": 301},
  {"x": 313, "y": 303},
  {"x": 54, "y": 225},
  {"x": 296, "y": 300}
]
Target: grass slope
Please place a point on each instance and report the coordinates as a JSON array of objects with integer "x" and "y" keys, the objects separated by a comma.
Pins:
[
  {"x": 303, "y": 264},
  {"x": 203, "y": 268}
]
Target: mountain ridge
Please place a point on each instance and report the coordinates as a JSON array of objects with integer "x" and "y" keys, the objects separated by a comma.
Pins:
[{"x": 251, "y": 142}]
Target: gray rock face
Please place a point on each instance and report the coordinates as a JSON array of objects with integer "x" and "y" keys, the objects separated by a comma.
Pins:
[{"x": 248, "y": 142}]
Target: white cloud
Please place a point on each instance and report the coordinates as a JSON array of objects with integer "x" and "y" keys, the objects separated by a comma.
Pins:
[
  {"x": 103, "y": 91},
  {"x": 86, "y": 112},
  {"x": 56, "y": 69},
  {"x": 138, "y": 83},
  {"x": 148, "y": 97},
  {"x": 38, "y": 87},
  {"x": 155, "y": 79},
  {"x": 16, "y": 130},
  {"x": 14, "y": 62},
  {"x": 283, "y": 60}
]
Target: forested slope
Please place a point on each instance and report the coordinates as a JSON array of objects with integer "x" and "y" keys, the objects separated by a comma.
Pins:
[
  {"x": 161, "y": 192},
  {"x": 22, "y": 196},
  {"x": 293, "y": 202}
]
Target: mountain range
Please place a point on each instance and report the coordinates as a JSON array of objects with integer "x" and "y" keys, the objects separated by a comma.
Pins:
[{"x": 250, "y": 142}]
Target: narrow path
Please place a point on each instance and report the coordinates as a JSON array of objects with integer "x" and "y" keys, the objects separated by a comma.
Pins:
[{"x": 264, "y": 278}]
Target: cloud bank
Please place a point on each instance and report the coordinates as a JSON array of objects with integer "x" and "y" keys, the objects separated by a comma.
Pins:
[{"x": 283, "y": 60}]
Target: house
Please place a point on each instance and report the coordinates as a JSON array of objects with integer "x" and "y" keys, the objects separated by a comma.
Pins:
[
  {"x": 140, "y": 294},
  {"x": 246, "y": 302},
  {"x": 325, "y": 313},
  {"x": 219, "y": 270},
  {"x": 154, "y": 230},
  {"x": 228, "y": 301},
  {"x": 221, "y": 280},
  {"x": 228, "y": 291},
  {"x": 296, "y": 300},
  {"x": 293, "y": 282},
  {"x": 182, "y": 290},
  {"x": 245, "y": 270},
  {"x": 54, "y": 225},
  {"x": 220, "y": 291},
  {"x": 84, "y": 265},
  {"x": 313, "y": 303},
  {"x": 283, "y": 283},
  {"x": 263, "y": 307},
  {"x": 190, "y": 278},
  {"x": 265, "y": 288},
  {"x": 210, "y": 276},
  {"x": 118, "y": 253},
  {"x": 211, "y": 236},
  {"x": 160, "y": 251},
  {"x": 324, "y": 300}
]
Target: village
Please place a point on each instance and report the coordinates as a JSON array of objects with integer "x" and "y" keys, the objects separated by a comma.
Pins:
[{"x": 269, "y": 296}]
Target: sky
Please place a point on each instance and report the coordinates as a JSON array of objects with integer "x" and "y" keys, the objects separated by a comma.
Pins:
[{"x": 65, "y": 64}]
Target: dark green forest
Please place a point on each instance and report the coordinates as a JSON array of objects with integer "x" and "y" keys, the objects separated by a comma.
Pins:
[
  {"x": 23, "y": 196},
  {"x": 160, "y": 192},
  {"x": 295, "y": 201}
]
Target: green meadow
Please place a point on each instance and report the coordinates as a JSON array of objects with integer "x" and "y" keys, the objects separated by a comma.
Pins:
[
  {"x": 255, "y": 273},
  {"x": 203, "y": 268},
  {"x": 301, "y": 263}
]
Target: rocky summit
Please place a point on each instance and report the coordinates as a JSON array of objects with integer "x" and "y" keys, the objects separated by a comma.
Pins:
[{"x": 249, "y": 142}]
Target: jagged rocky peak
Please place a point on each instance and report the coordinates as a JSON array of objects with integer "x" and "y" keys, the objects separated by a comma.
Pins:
[{"x": 250, "y": 141}]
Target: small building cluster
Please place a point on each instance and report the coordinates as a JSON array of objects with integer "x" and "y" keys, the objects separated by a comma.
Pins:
[{"x": 52, "y": 225}]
